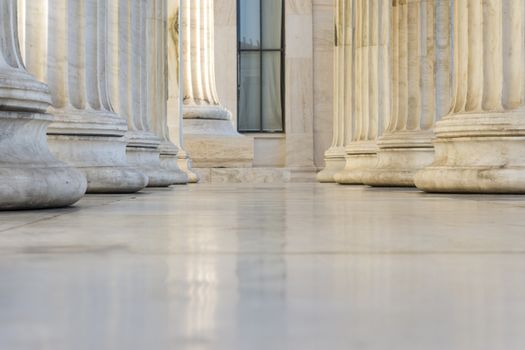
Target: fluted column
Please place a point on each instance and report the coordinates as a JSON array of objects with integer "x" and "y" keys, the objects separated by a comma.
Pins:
[
  {"x": 158, "y": 87},
  {"x": 130, "y": 78},
  {"x": 30, "y": 177},
  {"x": 371, "y": 88},
  {"x": 480, "y": 145},
  {"x": 175, "y": 122},
  {"x": 209, "y": 133},
  {"x": 343, "y": 62},
  {"x": 421, "y": 90},
  {"x": 65, "y": 44}
]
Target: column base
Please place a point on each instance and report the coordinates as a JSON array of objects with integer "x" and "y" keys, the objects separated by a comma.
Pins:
[
  {"x": 334, "y": 164},
  {"x": 169, "y": 161},
  {"x": 396, "y": 167},
  {"x": 103, "y": 161},
  {"x": 476, "y": 165},
  {"x": 477, "y": 153},
  {"x": 360, "y": 158},
  {"x": 30, "y": 177},
  {"x": 215, "y": 144}
]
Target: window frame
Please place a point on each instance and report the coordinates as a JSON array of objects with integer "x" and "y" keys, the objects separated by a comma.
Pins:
[{"x": 260, "y": 50}]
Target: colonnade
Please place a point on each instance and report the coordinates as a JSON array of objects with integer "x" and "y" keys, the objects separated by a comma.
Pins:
[
  {"x": 430, "y": 93},
  {"x": 83, "y": 100}
]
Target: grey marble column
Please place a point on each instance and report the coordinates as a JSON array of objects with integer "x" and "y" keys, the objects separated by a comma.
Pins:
[
  {"x": 158, "y": 87},
  {"x": 480, "y": 145},
  {"x": 175, "y": 98},
  {"x": 421, "y": 90},
  {"x": 129, "y": 85},
  {"x": 371, "y": 88},
  {"x": 343, "y": 62},
  {"x": 66, "y": 45},
  {"x": 209, "y": 133},
  {"x": 30, "y": 177}
]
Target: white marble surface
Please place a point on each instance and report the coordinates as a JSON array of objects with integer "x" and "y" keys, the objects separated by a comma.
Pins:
[{"x": 305, "y": 266}]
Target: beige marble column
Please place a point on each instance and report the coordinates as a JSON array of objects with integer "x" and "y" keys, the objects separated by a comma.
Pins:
[
  {"x": 371, "y": 88},
  {"x": 30, "y": 176},
  {"x": 343, "y": 58},
  {"x": 158, "y": 87},
  {"x": 480, "y": 145},
  {"x": 175, "y": 73},
  {"x": 421, "y": 90},
  {"x": 209, "y": 134},
  {"x": 129, "y": 84},
  {"x": 65, "y": 45}
]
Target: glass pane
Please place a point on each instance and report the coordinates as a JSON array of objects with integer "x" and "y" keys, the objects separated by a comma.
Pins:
[
  {"x": 271, "y": 92},
  {"x": 250, "y": 91},
  {"x": 271, "y": 24},
  {"x": 250, "y": 24}
]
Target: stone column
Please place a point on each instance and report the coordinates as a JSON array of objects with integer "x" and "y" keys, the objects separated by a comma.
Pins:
[
  {"x": 343, "y": 58},
  {"x": 480, "y": 145},
  {"x": 175, "y": 122},
  {"x": 158, "y": 87},
  {"x": 129, "y": 87},
  {"x": 209, "y": 133},
  {"x": 66, "y": 45},
  {"x": 30, "y": 177},
  {"x": 421, "y": 90},
  {"x": 371, "y": 88}
]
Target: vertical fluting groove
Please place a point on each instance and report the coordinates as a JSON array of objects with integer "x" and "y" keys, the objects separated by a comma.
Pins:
[
  {"x": 345, "y": 129},
  {"x": 385, "y": 77},
  {"x": 443, "y": 51},
  {"x": 373, "y": 55},
  {"x": 57, "y": 72},
  {"x": 186, "y": 42},
  {"x": 104, "y": 58},
  {"x": 461, "y": 55},
  {"x": 492, "y": 55},
  {"x": 414, "y": 65},
  {"x": 77, "y": 60},
  {"x": 401, "y": 123},
  {"x": 427, "y": 115},
  {"x": 91, "y": 54},
  {"x": 476, "y": 57},
  {"x": 394, "y": 115},
  {"x": 365, "y": 47},
  {"x": 513, "y": 47},
  {"x": 215, "y": 95},
  {"x": 358, "y": 119}
]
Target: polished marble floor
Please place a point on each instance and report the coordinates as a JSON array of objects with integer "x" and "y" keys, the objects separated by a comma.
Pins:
[{"x": 270, "y": 267}]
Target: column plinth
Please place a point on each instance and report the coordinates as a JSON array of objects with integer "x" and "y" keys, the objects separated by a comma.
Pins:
[
  {"x": 480, "y": 144},
  {"x": 30, "y": 176}
]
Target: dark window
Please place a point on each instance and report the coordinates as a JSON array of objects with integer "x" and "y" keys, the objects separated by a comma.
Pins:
[{"x": 260, "y": 88}]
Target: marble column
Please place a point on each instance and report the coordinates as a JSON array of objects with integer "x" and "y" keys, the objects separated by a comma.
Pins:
[
  {"x": 371, "y": 88},
  {"x": 209, "y": 133},
  {"x": 480, "y": 145},
  {"x": 343, "y": 57},
  {"x": 421, "y": 90},
  {"x": 175, "y": 72},
  {"x": 129, "y": 77},
  {"x": 30, "y": 176},
  {"x": 158, "y": 87},
  {"x": 65, "y": 45}
]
